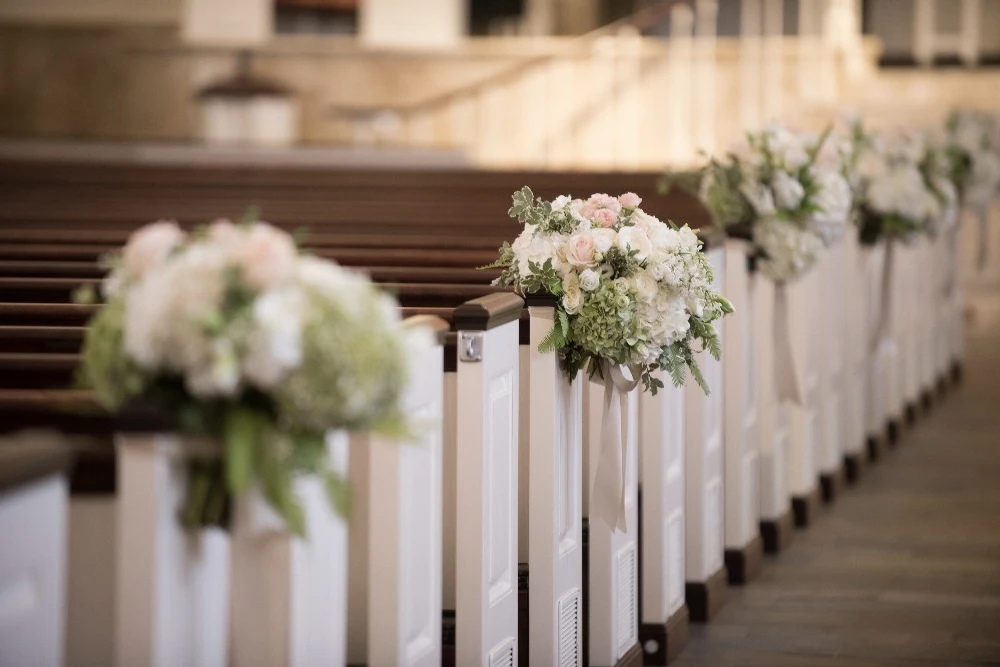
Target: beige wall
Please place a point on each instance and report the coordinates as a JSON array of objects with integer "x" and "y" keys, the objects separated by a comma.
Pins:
[{"x": 89, "y": 12}]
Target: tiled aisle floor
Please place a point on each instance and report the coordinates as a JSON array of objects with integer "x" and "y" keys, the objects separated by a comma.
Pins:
[{"x": 905, "y": 568}]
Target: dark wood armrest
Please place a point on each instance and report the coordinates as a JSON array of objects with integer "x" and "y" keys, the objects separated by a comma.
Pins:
[{"x": 488, "y": 312}]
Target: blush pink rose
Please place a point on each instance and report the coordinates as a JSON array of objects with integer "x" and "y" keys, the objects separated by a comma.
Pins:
[
  {"x": 268, "y": 256},
  {"x": 225, "y": 232},
  {"x": 630, "y": 200},
  {"x": 148, "y": 248},
  {"x": 580, "y": 250},
  {"x": 605, "y": 217}
]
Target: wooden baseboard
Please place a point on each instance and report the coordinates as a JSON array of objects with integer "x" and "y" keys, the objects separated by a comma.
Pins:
[
  {"x": 894, "y": 431},
  {"x": 876, "y": 447},
  {"x": 632, "y": 658},
  {"x": 831, "y": 484},
  {"x": 661, "y": 644},
  {"x": 854, "y": 467},
  {"x": 743, "y": 565},
  {"x": 705, "y": 598},
  {"x": 805, "y": 508},
  {"x": 777, "y": 534}
]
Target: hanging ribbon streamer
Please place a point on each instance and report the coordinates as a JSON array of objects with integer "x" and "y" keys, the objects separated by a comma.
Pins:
[
  {"x": 984, "y": 236},
  {"x": 786, "y": 376},
  {"x": 608, "y": 497},
  {"x": 884, "y": 325}
]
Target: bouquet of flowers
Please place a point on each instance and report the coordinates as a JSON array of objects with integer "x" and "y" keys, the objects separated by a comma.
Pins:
[
  {"x": 252, "y": 344},
  {"x": 902, "y": 185},
  {"x": 788, "y": 190},
  {"x": 972, "y": 145},
  {"x": 632, "y": 290}
]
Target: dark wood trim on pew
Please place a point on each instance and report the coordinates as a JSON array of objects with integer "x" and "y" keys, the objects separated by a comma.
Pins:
[
  {"x": 488, "y": 312},
  {"x": 778, "y": 533},
  {"x": 743, "y": 565},
  {"x": 663, "y": 643},
  {"x": 854, "y": 466},
  {"x": 806, "y": 507},
  {"x": 23, "y": 463},
  {"x": 832, "y": 484},
  {"x": 705, "y": 598}
]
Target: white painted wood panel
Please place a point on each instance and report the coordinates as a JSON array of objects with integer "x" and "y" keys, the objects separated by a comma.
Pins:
[
  {"x": 33, "y": 573},
  {"x": 805, "y": 304},
  {"x": 661, "y": 476},
  {"x": 555, "y": 494},
  {"x": 834, "y": 332},
  {"x": 740, "y": 388},
  {"x": 772, "y": 416},
  {"x": 856, "y": 388},
  {"x": 703, "y": 458},
  {"x": 486, "y": 462}
]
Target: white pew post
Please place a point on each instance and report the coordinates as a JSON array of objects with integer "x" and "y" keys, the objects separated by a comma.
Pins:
[
  {"x": 832, "y": 408},
  {"x": 703, "y": 459},
  {"x": 895, "y": 352},
  {"x": 664, "y": 629},
  {"x": 486, "y": 483},
  {"x": 777, "y": 526},
  {"x": 805, "y": 305},
  {"x": 289, "y": 595},
  {"x": 928, "y": 295},
  {"x": 172, "y": 585},
  {"x": 33, "y": 502},
  {"x": 910, "y": 331},
  {"x": 612, "y": 555},
  {"x": 555, "y": 493},
  {"x": 395, "y": 566},
  {"x": 879, "y": 367},
  {"x": 744, "y": 547},
  {"x": 856, "y": 358}
]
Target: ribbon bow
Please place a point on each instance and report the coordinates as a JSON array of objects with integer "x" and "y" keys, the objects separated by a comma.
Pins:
[{"x": 608, "y": 497}]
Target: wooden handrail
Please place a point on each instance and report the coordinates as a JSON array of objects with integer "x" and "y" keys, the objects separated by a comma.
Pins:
[{"x": 641, "y": 21}]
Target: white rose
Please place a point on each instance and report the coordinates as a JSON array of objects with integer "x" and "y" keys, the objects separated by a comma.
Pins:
[
  {"x": 788, "y": 192},
  {"x": 148, "y": 247},
  {"x": 663, "y": 237},
  {"x": 688, "y": 238},
  {"x": 760, "y": 198},
  {"x": 589, "y": 280},
  {"x": 604, "y": 238},
  {"x": 572, "y": 300},
  {"x": 634, "y": 239},
  {"x": 580, "y": 250}
]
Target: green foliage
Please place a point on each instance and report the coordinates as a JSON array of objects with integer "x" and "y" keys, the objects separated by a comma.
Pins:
[{"x": 542, "y": 279}]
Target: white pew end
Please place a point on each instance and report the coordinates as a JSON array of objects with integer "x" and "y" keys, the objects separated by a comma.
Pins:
[
  {"x": 856, "y": 357},
  {"x": 703, "y": 472},
  {"x": 744, "y": 547},
  {"x": 395, "y": 566},
  {"x": 484, "y": 453},
  {"x": 554, "y": 491},
  {"x": 664, "y": 614},
  {"x": 612, "y": 557},
  {"x": 777, "y": 525},
  {"x": 833, "y": 372},
  {"x": 33, "y": 501}
]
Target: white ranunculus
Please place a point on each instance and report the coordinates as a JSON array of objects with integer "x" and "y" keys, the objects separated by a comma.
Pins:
[
  {"x": 634, "y": 239},
  {"x": 663, "y": 237},
  {"x": 589, "y": 280},
  {"x": 688, "y": 238},
  {"x": 788, "y": 191}
]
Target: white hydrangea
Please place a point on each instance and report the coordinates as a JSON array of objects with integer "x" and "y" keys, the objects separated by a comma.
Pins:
[{"x": 788, "y": 250}]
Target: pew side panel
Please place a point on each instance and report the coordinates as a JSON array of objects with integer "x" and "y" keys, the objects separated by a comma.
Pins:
[
  {"x": 555, "y": 494},
  {"x": 879, "y": 360},
  {"x": 775, "y": 499},
  {"x": 172, "y": 585},
  {"x": 805, "y": 304},
  {"x": 613, "y": 555},
  {"x": 404, "y": 529},
  {"x": 703, "y": 499},
  {"x": 833, "y": 332},
  {"x": 856, "y": 355},
  {"x": 742, "y": 469},
  {"x": 486, "y": 482},
  {"x": 664, "y": 615},
  {"x": 909, "y": 329},
  {"x": 33, "y": 500}
]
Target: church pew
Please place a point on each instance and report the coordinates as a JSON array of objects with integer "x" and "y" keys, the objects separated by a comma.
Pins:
[
  {"x": 704, "y": 466},
  {"x": 33, "y": 490},
  {"x": 744, "y": 546},
  {"x": 857, "y": 356},
  {"x": 832, "y": 412}
]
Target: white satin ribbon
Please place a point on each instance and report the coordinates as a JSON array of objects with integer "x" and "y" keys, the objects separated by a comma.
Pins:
[
  {"x": 786, "y": 376},
  {"x": 607, "y": 500},
  {"x": 884, "y": 325}
]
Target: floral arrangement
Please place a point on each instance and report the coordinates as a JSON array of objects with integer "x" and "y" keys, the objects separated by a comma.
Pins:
[
  {"x": 972, "y": 144},
  {"x": 252, "y": 344},
  {"x": 788, "y": 190},
  {"x": 902, "y": 185},
  {"x": 631, "y": 290}
]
